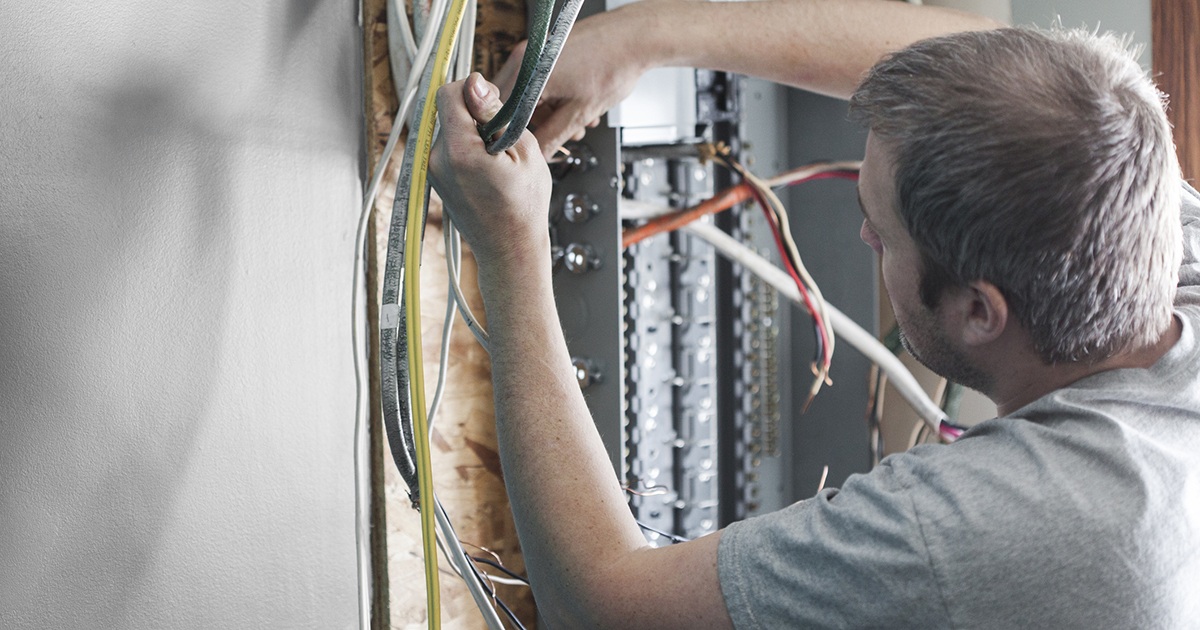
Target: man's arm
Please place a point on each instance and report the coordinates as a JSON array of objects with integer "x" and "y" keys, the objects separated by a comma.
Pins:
[
  {"x": 587, "y": 559},
  {"x": 822, "y": 46},
  {"x": 588, "y": 563}
]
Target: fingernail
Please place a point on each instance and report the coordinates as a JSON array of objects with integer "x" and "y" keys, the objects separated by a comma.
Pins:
[{"x": 481, "y": 89}]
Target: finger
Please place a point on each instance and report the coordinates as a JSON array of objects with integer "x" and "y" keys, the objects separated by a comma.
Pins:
[
  {"x": 452, "y": 109},
  {"x": 595, "y": 123},
  {"x": 508, "y": 72},
  {"x": 527, "y": 149},
  {"x": 540, "y": 115},
  {"x": 482, "y": 98},
  {"x": 564, "y": 123},
  {"x": 579, "y": 135}
]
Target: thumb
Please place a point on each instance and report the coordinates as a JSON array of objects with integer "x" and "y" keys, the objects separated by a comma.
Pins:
[
  {"x": 564, "y": 123},
  {"x": 482, "y": 98}
]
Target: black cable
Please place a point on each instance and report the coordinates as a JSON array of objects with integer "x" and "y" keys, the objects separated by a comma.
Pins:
[
  {"x": 508, "y": 612},
  {"x": 487, "y": 586},
  {"x": 533, "y": 93},
  {"x": 492, "y": 563},
  {"x": 538, "y": 29}
]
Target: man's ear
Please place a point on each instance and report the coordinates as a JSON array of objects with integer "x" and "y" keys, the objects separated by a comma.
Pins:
[{"x": 983, "y": 312}]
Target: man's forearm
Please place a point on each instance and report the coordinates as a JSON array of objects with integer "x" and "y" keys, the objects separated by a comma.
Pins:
[
  {"x": 823, "y": 46},
  {"x": 571, "y": 513}
]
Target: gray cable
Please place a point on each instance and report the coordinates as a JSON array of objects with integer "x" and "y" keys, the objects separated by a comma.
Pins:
[
  {"x": 393, "y": 341},
  {"x": 534, "y": 45},
  {"x": 533, "y": 93}
]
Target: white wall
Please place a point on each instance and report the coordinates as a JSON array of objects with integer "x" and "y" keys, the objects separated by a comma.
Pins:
[{"x": 178, "y": 185}]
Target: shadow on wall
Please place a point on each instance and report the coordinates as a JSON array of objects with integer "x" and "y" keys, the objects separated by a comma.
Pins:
[
  {"x": 176, "y": 406},
  {"x": 123, "y": 259}
]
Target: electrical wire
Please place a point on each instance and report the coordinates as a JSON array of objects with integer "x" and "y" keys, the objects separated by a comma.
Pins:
[
  {"x": 776, "y": 216},
  {"x": 454, "y": 551},
  {"x": 846, "y": 328},
  {"x": 876, "y": 386},
  {"x": 417, "y": 78},
  {"x": 401, "y": 321},
  {"x": 462, "y": 565},
  {"x": 535, "y": 42},
  {"x": 673, "y": 220},
  {"x": 473, "y": 324},
  {"x": 402, "y": 49},
  {"x": 671, "y": 537},
  {"x": 417, "y": 206},
  {"x": 409, "y": 94},
  {"x": 533, "y": 92},
  {"x": 395, "y": 387},
  {"x": 362, "y": 445},
  {"x": 359, "y": 297},
  {"x": 512, "y": 574}
]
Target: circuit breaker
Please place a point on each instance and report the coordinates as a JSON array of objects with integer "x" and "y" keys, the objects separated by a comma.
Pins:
[{"x": 686, "y": 361}]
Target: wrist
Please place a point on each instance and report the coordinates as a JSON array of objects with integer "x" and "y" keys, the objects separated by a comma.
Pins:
[
  {"x": 522, "y": 266},
  {"x": 642, "y": 34},
  {"x": 656, "y": 33}
]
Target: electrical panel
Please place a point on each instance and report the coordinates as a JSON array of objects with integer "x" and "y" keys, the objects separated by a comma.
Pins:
[
  {"x": 685, "y": 360},
  {"x": 675, "y": 348}
]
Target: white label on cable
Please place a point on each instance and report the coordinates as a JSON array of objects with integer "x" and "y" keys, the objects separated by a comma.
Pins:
[{"x": 389, "y": 316}]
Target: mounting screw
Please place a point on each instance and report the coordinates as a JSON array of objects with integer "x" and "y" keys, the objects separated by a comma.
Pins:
[
  {"x": 579, "y": 208},
  {"x": 580, "y": 258},
  {"x": 586, "y": 372},
  {"x": 579, "y": 156}
]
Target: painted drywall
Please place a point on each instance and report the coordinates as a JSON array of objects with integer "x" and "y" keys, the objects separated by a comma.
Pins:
[{"x": 178, "y": 186}]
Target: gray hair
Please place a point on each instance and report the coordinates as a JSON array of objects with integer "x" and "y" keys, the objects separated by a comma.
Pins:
[{"x": 1042, "y": 162}]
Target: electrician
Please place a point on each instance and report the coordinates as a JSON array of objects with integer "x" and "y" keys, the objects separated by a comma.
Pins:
[{"x": 1021, "y": 189}]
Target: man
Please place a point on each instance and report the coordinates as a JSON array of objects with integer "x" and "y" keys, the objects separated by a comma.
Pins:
[{"x": 1022, "y": 192}]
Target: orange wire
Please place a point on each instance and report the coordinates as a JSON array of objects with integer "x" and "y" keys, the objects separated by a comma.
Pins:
[{"x": 723, "y": 200}]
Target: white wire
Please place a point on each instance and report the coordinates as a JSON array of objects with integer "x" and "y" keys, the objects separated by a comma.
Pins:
[
  {"x": 362, "y": 470},
  {"x": 849, "y": 331},
  {"x": 401, "y": 49},
  {"x": 635, "y": 210},
  {"x": 462, "y": 566},
  {"x": 473, "y": 324},
  {"x": 466, "y": 43},
  {"x": 448, "y": 539},
  {"x": 406, "y": 103},
  {"x": 404, "y": 33},
  {"x": 447, "y": 328},
  {"x": 362, "y": 445}
]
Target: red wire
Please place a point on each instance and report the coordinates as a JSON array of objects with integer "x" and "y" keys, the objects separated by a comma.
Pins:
[
  {"x": 721, "y": 201},
  {"x": 791, "y": 270},
  {"x": 826, "y": 175}
]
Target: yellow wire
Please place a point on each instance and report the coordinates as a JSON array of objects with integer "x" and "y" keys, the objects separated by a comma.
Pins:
[{"x": 412, "y": 298}]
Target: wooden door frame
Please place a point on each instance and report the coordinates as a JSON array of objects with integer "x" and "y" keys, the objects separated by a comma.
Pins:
[{"x": 1175, "y": 42}]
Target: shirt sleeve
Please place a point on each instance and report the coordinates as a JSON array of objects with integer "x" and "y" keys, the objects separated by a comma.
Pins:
[
  {"x": 1189, "y": 271},
  {"x": 849, "y": 558}
]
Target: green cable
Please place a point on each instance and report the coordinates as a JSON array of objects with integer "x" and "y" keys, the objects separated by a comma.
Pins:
[
  {"x": 533, "y": 51},
  {"x": 892, "y": 340},
  {"x": 954, "y": 396}
]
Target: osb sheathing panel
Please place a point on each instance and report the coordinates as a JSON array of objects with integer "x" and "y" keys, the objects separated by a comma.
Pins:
[{"x": 466, "y": 467}]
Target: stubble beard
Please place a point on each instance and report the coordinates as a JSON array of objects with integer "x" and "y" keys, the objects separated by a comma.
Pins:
[{"x": 935, "y": 352}]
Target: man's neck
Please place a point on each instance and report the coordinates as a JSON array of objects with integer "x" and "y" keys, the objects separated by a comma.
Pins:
[{"x": 1025, "y": 378}]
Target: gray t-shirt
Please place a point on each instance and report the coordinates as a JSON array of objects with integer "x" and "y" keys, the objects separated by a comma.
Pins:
[{"x": 1079, "y": 510}]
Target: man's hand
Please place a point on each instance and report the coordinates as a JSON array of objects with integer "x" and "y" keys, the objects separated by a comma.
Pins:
[
  {"x": 599, "y": 66},
  {"x": 499, "y": 202},
  {"x": 823, "y": 46}
]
